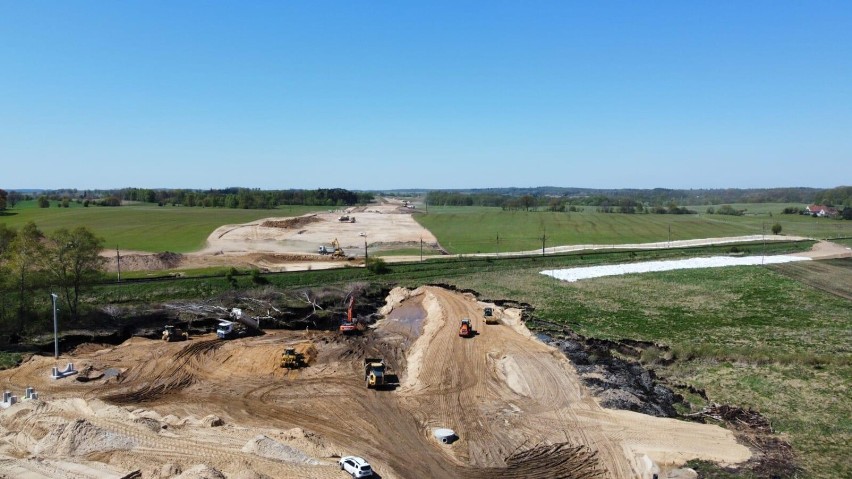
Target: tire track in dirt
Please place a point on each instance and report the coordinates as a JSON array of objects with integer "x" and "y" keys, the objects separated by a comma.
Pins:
[
  {"x": 218, "y": 449},
  {"x": 177, "y": 374},
  {"x": 516, "y": 403}
]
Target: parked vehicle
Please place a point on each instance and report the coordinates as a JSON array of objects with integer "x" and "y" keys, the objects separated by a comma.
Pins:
[
  {"x": 230, "y": 330},
  {"x": 356, "y": 466}
]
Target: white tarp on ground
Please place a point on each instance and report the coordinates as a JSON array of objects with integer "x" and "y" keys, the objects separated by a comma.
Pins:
[{"x": 586, "y": 272}]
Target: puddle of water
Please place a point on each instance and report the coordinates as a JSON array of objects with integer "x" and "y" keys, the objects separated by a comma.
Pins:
[{"x": 407, "y": 318}]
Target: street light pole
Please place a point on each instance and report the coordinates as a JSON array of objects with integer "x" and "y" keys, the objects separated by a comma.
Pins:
[
  {"x": 55, "y": 329},
  {"x": 366, "y": 257}
]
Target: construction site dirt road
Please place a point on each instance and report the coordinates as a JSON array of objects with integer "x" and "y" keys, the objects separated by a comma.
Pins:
[{"x": 214, "y": 408}]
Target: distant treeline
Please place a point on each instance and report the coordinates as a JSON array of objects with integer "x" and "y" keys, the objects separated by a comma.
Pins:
[
  {"x": 657, "y": 200},
  {"x": 244, "y": 198}
]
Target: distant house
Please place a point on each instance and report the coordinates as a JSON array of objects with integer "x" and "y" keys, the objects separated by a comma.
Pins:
[{"x": 821, "y": 211}]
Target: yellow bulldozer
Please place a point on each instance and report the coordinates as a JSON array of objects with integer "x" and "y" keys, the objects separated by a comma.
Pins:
[{"x": 290, "y": 359}]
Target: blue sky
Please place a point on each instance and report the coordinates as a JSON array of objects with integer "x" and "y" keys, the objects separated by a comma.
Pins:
[{"x": 459, "y": 94}]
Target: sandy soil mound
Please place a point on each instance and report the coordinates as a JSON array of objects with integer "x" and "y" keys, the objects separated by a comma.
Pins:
[
  {"x": 268, "y": 448},
  {"x": 291, "y": 223},
  {"x": 81, "y": 438},
  {"x": 201, "y": 471}
]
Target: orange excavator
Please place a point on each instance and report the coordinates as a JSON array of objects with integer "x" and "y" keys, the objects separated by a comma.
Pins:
[{"x": 349, "y": 325}]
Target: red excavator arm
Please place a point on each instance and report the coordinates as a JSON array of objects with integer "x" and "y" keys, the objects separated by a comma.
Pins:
[{"x": 348, "y": 325}]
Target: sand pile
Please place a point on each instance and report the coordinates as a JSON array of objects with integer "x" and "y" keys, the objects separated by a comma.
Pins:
[
  {"x": 81, "y": 438},
  {"x": 201, "y": 471},
  {"x": 397, "y": 296},
  {"x": 309, "y": 443},
  {"x": 265, "y": 447}
]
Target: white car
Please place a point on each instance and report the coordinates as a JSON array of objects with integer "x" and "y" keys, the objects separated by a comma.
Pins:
[{"x": 357, "y": 466}]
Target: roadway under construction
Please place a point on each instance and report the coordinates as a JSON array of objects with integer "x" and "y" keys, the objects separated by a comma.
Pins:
[{"x": 185, "y": 409}]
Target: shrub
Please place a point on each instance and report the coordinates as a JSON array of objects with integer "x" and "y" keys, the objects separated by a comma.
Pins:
[
  {"x": 776, "y": 228},
  {"x": 377, "y": 266},
  {"x": 729, "y": 210},
  {"x": 256, "y": 278}
]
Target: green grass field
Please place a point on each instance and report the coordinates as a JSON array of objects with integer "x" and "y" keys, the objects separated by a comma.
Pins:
[
  {"x": 143, "y": 227},
  {"x": 464, "y": 230},
  {"x": 461, "y": 230}
]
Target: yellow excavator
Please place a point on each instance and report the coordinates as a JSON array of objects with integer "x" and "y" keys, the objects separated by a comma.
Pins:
[
  {"x": 335, "y": 251},
  {"x": 338, "y": 251}
]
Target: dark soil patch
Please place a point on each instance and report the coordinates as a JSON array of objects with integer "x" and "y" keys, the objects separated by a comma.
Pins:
[
  {"x": 291, "y": 223},
  {"x": 617, "y": 382},
  {"x": 772, "y": 457}
]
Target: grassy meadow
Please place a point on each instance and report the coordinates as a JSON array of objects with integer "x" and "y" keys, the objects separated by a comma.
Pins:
[
  {"x": 143, "y": 226},
  {"x": 465, "y": 230},
  {"x": 460, "y": 230}
]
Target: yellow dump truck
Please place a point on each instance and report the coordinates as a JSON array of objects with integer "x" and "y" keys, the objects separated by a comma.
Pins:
[{"x": 374, "y": 372}]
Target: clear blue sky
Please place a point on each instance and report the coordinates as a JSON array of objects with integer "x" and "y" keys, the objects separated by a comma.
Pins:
[{"x": 457, "y": 94}]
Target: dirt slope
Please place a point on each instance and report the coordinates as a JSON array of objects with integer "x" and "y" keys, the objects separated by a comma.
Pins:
[{"x": 516, "y": 404}]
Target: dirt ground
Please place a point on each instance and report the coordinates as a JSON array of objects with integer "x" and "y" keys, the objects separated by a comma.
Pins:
[
  {"x": 210, "y": 408},
  {"x": 291, "y": 244}
]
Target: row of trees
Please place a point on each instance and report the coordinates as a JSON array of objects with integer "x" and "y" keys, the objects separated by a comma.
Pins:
[
  {"x": 633, "y": 200},
  {"x": 840, "y": 196},
  {"x": 245, "y": 198},
  {"x": 611, "y": 197},
  {"x": 65, "y": 260}
]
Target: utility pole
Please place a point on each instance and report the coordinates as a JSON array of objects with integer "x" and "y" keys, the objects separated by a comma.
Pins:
[
  {"x": 763, "y": 231},
  {"x": 55, "y": 329},
  {"x": 118, "y": 262},
  {"x": 670, "y": 236},
  {"x": 498, "y": 244},
  {"x": 421, "y": 249},
  {"x": 543, "y": 240}
]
